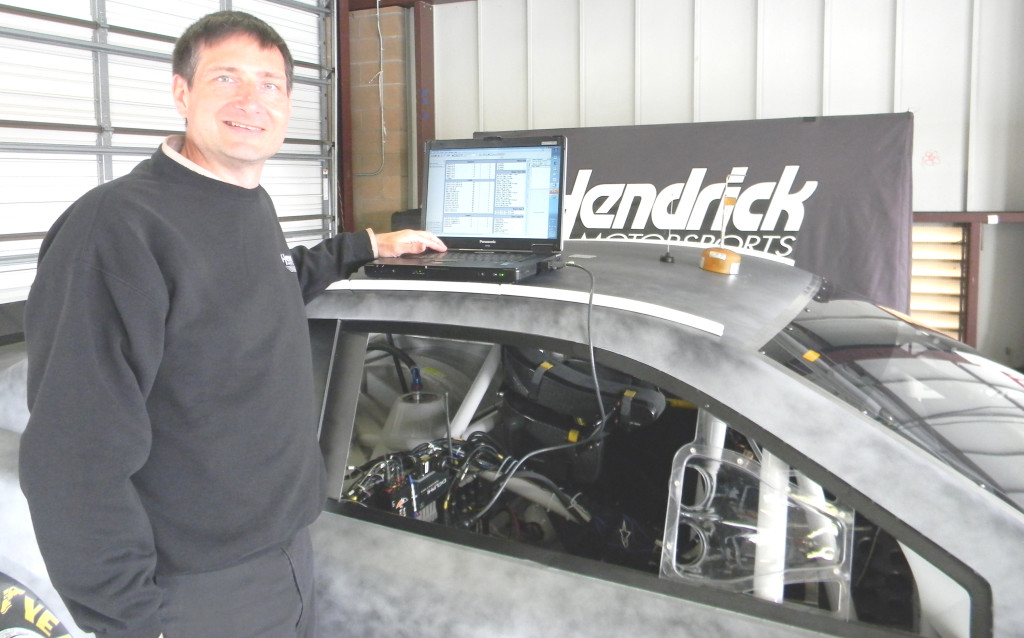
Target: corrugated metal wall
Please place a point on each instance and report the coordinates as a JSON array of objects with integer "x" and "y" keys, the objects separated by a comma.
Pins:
[
  {"x": 525, "y": 64},
  {"x": 512, "y": 64}
]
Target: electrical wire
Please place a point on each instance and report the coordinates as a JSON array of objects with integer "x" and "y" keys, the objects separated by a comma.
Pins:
[
  {"x": 379, "y": 76},
  {"x": 509, "y": 474},
  {"x": 569, "y": 502},
  {"x": 480, "y": 452},
  {"x": 590, "y": 339},
  {"x": 398, "y": 355},
  {"x": 593, "y": 436}
]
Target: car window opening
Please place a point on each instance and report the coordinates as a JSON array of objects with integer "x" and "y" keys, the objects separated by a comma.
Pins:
[{"x": 510, "y": 442}]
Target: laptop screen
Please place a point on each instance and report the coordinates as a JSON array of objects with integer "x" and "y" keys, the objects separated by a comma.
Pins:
[{"x": 496, "y": 194}]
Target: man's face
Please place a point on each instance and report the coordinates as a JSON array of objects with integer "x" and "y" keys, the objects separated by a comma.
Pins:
[{"x": 237, "y": 108}]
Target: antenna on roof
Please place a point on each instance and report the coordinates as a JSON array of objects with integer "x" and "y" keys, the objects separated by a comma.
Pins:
[{"x": 667, "y": 257}]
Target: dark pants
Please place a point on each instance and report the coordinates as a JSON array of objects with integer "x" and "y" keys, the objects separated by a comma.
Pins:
[{"x": 268, "y": 596}]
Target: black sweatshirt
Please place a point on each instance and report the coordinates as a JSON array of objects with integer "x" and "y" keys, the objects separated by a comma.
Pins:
[{"x": 170, "y": 386}]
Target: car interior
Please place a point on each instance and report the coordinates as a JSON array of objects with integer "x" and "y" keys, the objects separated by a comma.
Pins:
[{"x": 540, "y": 449}]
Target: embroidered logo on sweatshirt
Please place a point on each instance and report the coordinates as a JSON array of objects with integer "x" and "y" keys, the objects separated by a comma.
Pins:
[{"x": 286, "y": 259}]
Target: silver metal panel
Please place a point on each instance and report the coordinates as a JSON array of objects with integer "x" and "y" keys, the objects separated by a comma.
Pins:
[
  {"x": 751, "y": 306},
  {"x": 13, "y": 402},
  {"x": 343, "y": 395},
  {"x": 802, "y": 421},
  {"x": 377, "y": 581}
]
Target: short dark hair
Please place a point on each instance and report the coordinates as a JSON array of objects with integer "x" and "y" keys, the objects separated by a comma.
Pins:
[{"x": 214, "y": 27}]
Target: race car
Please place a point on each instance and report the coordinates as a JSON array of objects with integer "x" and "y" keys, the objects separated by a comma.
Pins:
[{"x": 629, "y": 445}]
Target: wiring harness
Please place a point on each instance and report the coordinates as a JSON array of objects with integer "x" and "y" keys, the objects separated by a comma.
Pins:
[{"x": 454, "y": 482}]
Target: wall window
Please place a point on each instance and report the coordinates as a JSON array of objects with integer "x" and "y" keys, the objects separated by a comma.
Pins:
[{"x": 87, "y": 95}]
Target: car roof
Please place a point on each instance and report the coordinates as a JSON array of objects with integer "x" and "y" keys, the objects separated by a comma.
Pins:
[
  {"x": 751, "y": 305},
  {"x": 746, "y": 308}
]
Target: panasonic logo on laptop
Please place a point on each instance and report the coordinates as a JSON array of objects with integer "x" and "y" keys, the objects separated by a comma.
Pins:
[{"x": 488, "y": 242}]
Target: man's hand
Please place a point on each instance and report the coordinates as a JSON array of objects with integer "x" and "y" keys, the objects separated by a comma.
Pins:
[{"x": 402, "y": 242}]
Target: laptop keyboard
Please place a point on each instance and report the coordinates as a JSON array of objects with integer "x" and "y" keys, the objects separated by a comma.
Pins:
[{"x": 456, "y": 256}]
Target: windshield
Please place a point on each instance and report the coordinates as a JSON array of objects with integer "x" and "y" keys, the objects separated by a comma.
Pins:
[{"x": 939, "y": 393}]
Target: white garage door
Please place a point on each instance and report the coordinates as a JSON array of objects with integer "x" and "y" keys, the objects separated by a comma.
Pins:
[{"x": 86, "y": 96}]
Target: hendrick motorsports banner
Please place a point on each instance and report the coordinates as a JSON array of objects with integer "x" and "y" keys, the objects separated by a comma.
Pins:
[{"x": 831, "y": 193}]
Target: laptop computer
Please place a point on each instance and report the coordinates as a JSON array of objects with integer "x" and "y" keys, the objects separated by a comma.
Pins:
[{"x": 496, "y": 203}]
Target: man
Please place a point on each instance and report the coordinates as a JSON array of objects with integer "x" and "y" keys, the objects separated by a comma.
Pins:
[{"x": 170, "y": 461}]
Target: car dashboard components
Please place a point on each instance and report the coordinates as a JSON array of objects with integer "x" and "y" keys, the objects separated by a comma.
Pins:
[
  {"x": 566, "y": 386},
  {"x": 749, "y": 523}
]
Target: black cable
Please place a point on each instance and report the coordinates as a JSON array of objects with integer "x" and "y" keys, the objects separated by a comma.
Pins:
[
  {"x": 519, "y": 463},
  {"x": 590, "y": 339},
  {"x": 599, "y": 427},
  {"x": 399, "y": 356},
  {"x": 563, "y": 498}
]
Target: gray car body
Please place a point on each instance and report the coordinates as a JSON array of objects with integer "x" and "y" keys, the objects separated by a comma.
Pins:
[{"x": 679, "y": 326}]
